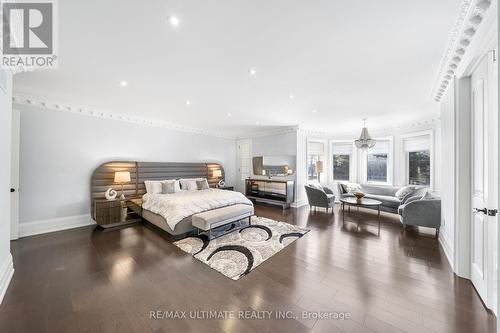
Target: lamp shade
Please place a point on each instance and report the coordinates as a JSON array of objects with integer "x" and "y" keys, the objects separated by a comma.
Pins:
[
  {"x": 122, "y": 177},
  {"x": 319, "y": 166},
  {"x": 217, "y": 173}
]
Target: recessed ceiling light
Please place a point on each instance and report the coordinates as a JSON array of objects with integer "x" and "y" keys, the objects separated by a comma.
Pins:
[
  {"x": 314, "y": 111},
  {"x": 252, "y": 71},
  {"x": 291, "y": 96},
  {"x": 174, "y": 21},
  {"x": 229, "y": 115},
  {"x": 188, "y": 102},
  {"x": 123, "y": 83}
]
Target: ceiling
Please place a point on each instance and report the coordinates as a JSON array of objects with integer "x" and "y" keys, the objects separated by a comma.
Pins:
[{"x": 345, "y": 59}]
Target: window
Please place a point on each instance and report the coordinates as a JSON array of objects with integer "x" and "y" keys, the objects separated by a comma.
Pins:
[
  {"x": 419, "y": 167},
  {"x": 418, "y": 159},
  {"x": 311, "y": 167},
  {"x": 341, "y": 160},
  {"x": 377, "y": 163},
  {"x": 377, "y": 168},
  {"x": 341, "y": 165},
  {"x": 315, "y": 153}
]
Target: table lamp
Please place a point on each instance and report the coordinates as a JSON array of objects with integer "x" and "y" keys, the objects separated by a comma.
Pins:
[
  {"x": 217, "y": 174},
  {"x": 122, "y": 177},
  {"x": 319, "y": 169}
]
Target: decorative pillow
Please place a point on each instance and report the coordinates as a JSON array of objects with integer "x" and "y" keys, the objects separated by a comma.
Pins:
[
  {"x": 404, "y": 191},
  {"x": 153, "y": 186},
  {"x": 189, "y": 184},
  {"x": 316, "y": 186},
  {"x": 353, "y": 188},
  {"x": 344, "y": 187},
  {"x": 170, "y": 186},
  {"x": 428, "y": 196},
  {"x": 202, "y": 184},
  {"x": 167, "y": 187}
]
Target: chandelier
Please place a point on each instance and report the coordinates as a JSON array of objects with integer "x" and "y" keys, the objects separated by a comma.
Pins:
[{"x": 365, "y": 141}]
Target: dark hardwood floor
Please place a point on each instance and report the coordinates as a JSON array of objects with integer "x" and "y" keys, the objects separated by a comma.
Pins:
[{"x": 87, "y": 280}]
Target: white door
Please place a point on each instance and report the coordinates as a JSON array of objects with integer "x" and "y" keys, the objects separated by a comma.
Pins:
[
  {"x": 244, "y": 163},
  {"x": 14, "y": 180},
  {"x": 483, "y": 228}
]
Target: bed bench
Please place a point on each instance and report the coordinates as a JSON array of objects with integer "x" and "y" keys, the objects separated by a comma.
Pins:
[{"x": 214, "y": 218}]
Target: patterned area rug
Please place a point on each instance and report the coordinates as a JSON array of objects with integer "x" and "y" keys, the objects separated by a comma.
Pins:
[{"x": 237, "y": 253}]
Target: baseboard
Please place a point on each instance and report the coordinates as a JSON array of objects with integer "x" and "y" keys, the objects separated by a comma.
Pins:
[
  {"x": 299, "y": 203},
  {"x": 445, "y": 245},
  {"x": 6, "y": 273},
  {"x": 57, "y": 224}
]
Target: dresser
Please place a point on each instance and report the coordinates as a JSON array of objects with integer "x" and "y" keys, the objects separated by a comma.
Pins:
[{"x": 276, "y": 192}]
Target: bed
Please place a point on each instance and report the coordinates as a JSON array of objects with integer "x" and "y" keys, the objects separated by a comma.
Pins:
[
  {"x": 170, "y": 212},
  {"x": 173, "y": 212}
]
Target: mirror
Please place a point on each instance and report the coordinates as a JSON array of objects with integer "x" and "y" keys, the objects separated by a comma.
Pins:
[{"x": 274, "y": 165}]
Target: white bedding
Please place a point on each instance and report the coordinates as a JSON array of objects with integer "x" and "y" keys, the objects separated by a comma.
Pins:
[{"x": 177, "y": 206}]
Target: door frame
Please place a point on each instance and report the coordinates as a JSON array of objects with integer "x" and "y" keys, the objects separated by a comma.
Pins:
[
  {"x": 240, "y": 184},
  {"x": 15, "y": 149}
]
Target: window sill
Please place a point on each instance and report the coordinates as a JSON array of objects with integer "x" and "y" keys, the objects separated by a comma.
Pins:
[{"x": 379, "y": 183}]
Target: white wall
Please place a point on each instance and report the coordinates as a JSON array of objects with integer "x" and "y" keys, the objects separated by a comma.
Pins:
[
  {"x": 6, "y": 268},
  {"x": 447, "y": 231},
  {"x": 60, "y": 150},
  {"x": 277, "y": 144},
  {"x": 300, "y": 192}
]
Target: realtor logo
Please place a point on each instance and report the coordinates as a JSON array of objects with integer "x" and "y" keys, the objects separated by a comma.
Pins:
[{"x": 28, "y": 34}]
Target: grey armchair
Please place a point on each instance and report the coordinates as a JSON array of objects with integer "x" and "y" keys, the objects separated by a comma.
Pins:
[
  {"x": 319, "y": 196},
  {"x": 421, "y": 212}
]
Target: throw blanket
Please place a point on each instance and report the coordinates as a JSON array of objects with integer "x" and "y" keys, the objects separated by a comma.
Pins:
[{"x": 177, "y": 206}]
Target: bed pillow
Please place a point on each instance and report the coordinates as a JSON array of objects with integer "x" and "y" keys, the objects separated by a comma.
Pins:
[
  {"x": 202, "y": 184},
  {"x": 404, "y": 191},
  {"x": 153, "y": 186},
  {"x": 170, "y": 186},
  {"x": 189, "y": 184}
]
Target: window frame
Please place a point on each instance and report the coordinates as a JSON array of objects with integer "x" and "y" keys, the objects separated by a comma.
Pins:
[
  {"x": 390, "y": 163},
  {"x": 352, "y": 160},
  {"x": 432, "y": 144},
  {"x": 322, "y": 158},
  {"x": 407, "y": 165}
]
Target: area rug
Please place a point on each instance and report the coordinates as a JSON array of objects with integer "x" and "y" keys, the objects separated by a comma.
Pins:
[{"x": 237, "y": 253}]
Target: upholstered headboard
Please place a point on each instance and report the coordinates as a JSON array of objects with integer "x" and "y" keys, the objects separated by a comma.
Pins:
[{"x": 103, "y": 176}]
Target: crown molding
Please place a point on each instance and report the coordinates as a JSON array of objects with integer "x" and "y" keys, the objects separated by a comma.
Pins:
[
  {"x": 42, "y": 103},
  {"x": 469, "y": 18},
  {"x": 412, "y": 125},
  {"x": 270, "y": 132}
]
